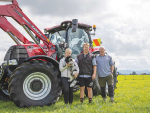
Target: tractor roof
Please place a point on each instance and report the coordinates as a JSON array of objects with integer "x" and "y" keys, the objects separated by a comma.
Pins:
[{"x": 64, "y": 24}]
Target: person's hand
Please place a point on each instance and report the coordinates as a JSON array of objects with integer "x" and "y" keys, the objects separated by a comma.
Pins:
[
  {"x": 93, "y": 76},
  {"x": 75, "y": 75},
  {"x": 68, "y": 64}
]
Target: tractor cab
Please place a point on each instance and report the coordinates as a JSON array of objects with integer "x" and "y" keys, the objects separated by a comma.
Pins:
[{"x": 65, "y": 36}]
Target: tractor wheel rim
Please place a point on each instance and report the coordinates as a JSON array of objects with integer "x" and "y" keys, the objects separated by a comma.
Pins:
[
  {"x": 37, "y": 86},
  {"x": 6, "y": 92}
]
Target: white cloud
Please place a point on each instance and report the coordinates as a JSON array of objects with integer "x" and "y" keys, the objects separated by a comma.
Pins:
[{"x": 122, "y": 25}]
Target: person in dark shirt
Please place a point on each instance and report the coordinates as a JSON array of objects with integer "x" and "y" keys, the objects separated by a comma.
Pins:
[{"x": 87, "y": 72}]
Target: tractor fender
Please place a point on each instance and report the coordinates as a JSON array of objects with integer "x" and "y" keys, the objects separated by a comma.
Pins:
[{"x": 50, "y": 59}]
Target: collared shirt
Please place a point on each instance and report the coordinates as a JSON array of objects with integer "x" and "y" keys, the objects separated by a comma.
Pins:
[
  {"x": 104, "y": 64},
  {"x": 93, "y": 62}
]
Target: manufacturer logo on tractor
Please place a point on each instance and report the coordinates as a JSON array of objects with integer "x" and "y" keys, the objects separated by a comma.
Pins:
[
  {"x": 18, "y": 12},
  {"x": 28, "y": 23}
]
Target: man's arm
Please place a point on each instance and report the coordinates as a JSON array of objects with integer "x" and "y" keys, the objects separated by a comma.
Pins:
[
  {"x": 112, "y": 68},
  {"x": 94, "y": 68},
  {"x": 111, "y": 65},
  {"x": 94, "y": 71}
]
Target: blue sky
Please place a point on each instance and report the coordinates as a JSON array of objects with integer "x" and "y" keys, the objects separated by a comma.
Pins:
[{"x": 122, "y": 25}]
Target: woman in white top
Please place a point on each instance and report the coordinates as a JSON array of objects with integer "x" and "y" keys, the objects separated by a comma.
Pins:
[{"x": 66, "y": 75}]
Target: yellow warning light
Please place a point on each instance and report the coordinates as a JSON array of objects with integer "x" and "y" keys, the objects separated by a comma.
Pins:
[{"x": 94, "y": 26}]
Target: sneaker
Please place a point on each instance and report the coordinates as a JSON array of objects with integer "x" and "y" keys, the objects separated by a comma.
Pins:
[
  {"x": 81, "y": 99},
  {"x": 90, "y": 100}
]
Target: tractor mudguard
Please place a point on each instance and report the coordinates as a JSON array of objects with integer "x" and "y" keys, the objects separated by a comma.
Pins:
[{"x": 47, "y": 58}]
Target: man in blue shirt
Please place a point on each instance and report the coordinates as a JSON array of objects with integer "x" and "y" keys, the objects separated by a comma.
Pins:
[
  {"x": 87, "y": 71},
  {"x": 105, "y": 73}
]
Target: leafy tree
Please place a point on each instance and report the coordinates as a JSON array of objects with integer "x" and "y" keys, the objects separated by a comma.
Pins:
[{"x": 133, "y": 73}]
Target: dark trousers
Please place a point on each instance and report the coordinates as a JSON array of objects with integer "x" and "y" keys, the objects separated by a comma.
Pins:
[
  {"x": 102, "y": 82},
  {"x": 68, "y": 91},
  {"x": 110, "y": 91}
]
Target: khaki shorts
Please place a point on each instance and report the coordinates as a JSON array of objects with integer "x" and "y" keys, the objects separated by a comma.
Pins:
[{"x": 102, "y": 80}]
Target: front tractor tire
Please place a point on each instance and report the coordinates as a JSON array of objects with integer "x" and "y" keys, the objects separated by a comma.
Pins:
[
  {"x": 35, "y": 83},
  {"x": 4, "y": 95}
]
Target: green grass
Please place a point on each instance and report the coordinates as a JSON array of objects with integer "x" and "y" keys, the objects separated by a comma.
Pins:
[{"x": 131, "y": 96}]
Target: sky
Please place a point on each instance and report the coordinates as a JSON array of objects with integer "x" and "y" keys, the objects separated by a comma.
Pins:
[{"x": 122, "y": 25}]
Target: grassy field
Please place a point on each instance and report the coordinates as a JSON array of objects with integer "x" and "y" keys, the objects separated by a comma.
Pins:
[{"x": 131, "y": 96}]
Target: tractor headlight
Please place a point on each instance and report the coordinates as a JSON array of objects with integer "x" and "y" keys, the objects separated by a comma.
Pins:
[
  {"x": 64, "y": 25},
  {"x": 11, "y": 62}
]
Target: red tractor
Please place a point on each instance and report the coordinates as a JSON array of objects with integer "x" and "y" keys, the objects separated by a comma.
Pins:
[{"x": 30, "y": 73}]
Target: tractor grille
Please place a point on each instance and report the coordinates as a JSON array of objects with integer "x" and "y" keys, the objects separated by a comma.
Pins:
[{"x": 17, "y": 52}]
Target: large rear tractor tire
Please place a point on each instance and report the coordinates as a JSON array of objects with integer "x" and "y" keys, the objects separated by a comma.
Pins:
[
  {"x": 115, "y": 75},
  {"x": 35, "y": 83},
  {"x": 4, "y": 95},
  {"x": 96, "y": 86}
]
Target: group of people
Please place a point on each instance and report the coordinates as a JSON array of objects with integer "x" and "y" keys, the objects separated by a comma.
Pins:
[{"x": 87, "y": 65}]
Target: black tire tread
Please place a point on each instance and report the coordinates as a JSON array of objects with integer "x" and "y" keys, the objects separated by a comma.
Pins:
[{"x": 16, "y": 75}]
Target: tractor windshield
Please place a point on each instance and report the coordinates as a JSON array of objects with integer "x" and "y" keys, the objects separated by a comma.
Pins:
[
  {"x": 76, "y": 40},
  {"x": 58, "y": 37}
]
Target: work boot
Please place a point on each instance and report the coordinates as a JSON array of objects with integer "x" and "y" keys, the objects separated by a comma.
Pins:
[
  {"x": 112, "y": 99},
  {"x": 104, "y": 99}
]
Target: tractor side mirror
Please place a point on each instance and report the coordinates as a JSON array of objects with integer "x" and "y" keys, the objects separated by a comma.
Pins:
[{"x": 74, "y": 25}]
